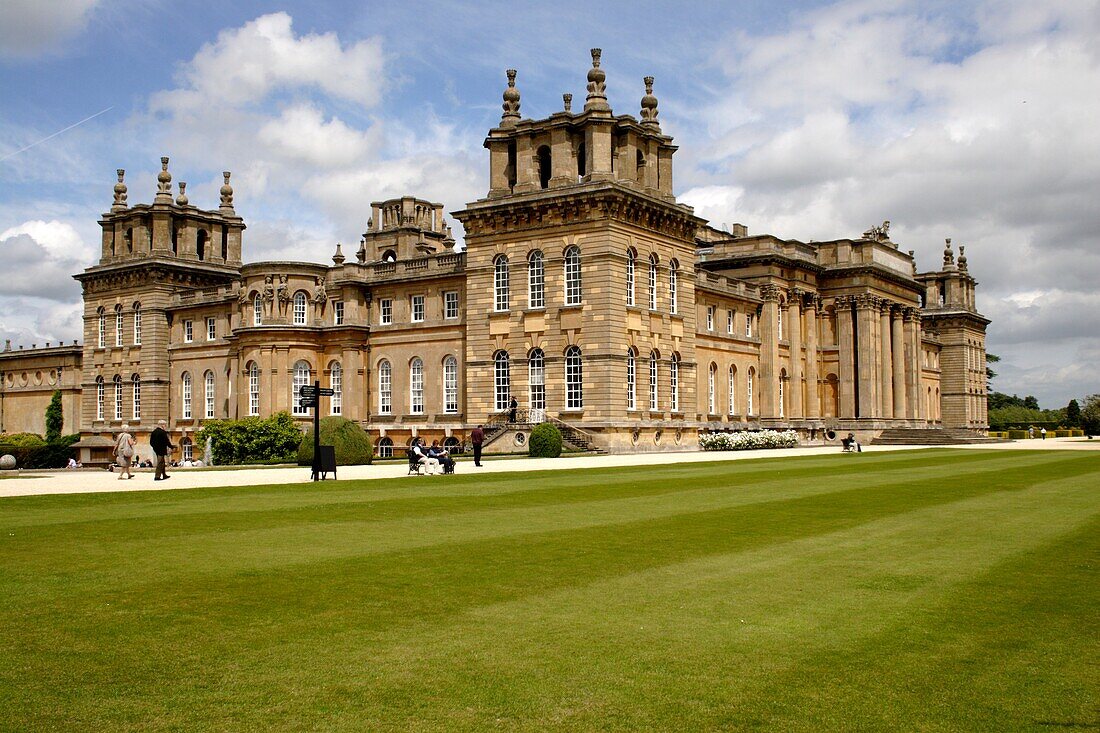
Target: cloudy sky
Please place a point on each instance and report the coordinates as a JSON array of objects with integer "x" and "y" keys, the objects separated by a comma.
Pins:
[{"x": 978, "y": 121}]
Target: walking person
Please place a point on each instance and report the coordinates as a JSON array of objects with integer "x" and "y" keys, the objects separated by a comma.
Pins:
[
  {"x": 1043, "y": 432},
  {"x": 159, "y": 442},
  {"x": 124, "y": 452},
  {"x": 477, "y": 437}
]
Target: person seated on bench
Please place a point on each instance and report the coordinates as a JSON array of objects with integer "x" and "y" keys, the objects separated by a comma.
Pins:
[
  {"x": 431, "y": 464},
  {"x": 440, "y": 453},
  {"x": 851, "y": 444}
]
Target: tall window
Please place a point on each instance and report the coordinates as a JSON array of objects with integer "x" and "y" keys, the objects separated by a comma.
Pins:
[
  {"x": 118, "y": 325},
  {"x": 188, "y": 331},
  {"x": 631, "y": 266},
  {"x": 536, "y": 380},
  {"x": 118, "y": 398},
  {"x": 711, "y": 374},
  {"x": 502, "y": 381},
  {"x": 782, "y": 380},
  {"x": 536, "y": 281},
  {"x": 573, "y": 275},
  {"x": 500, "y": 283},
  {"x": 749, "y": 407},
  {"x": 779, "y": 323},
  {"x": 673, "y": 284},
  {"x": 299, "y": 309},
  {"x": 733, "y": 390},
  {"x": 710, "y": 317},
  {"x": 99, "y": 398},
  {"x": 135, "y": 383},
  {"x": 748, "y": 325},
  {"x": 574, "y": 381},
  {"x": 185, "y": 395},
  {"x": 653, "y": 282},
  {"x": 450, "y": 385},
  {"x": 137, "y": 324},
  {"x": 187, "y": 448},
  {"x": 674, "y": 383},
  {"x": 301, "y": 379},
  {"x": 418, "y": 309},
  {"x": 385, "y": 448},
  {"x": 208, "y": 380},
  {"x": 385, "y": 388},
  {"x": 385, "y": 311},
  {"x": 253, "y": 389},
  {"x": 416, "y": 386},
  {"x": 631, "y": 380},
  {"x": 336, "y": 382},
  {"x": 653, "y": 405},
  {"x": 338, "y": 312},
  {"x": 450, "y": 304},
  {"x": 211, "y": 329},
  {"x": 729, "y": 322},
  {"x": 258, "y": 310},
  {"x": 101, "y": 341}
]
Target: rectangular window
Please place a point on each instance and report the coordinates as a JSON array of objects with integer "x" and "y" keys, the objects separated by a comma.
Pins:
[
  {"x": 338, "y": 312},
  {"x": 450, "y": 304},
  {"x": 653, "y": 383},
  {"x": 385, "y": 311},
  {"x": 385, "y": 390},
  {"x": 118, "y": 327},
  {"x": 418, "y": 309},
  {"x": 416, "y": 388},
  {"x": 209, "y": 396},
  {"x": 100, "y": 342},
  {"x": 188, "y": 332},
  {"x": 450, "y": 385},
  {"x": 211, "y": 329},
  {"x": 99, "y": 399},
  {"x": 137, "y": 327},
  {"x": 187, "y": 398},
  {"x": 137, "y": 399},
  {"x": 729, "y": 322},
  {"x": 710, "y": 317},
  {"x": 748, "y": 325},
  {"x": 254, "y": 390}
]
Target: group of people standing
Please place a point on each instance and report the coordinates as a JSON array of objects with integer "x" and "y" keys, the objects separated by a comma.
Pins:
[{"x": 126, "y": 448}]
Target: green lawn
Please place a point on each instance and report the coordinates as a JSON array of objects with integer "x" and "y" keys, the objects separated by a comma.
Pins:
[{"x": 916, "y": 591}]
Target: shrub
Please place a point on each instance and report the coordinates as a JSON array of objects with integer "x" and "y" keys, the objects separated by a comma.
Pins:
[
  {"x": 545, "y": 441},
  {"x": 252, "y": 439},
  {"x": 23, "y": 440},
  {"x": 55, "y": 419},
  {"x": 1090, "y": 415},
  {"x": 40, "y": 454},
  {"x": 749, "y": 440},
  {"x": 353, "y": 446}
]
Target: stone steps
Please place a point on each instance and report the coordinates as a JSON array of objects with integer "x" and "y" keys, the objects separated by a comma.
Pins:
[{"x": 932, "y": 436}]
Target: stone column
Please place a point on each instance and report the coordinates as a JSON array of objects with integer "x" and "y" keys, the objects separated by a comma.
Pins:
[
  {"x": 898, "y": 363},
  {"x": 794, "y": 338},
  {"x": 912, "y": 363},
  {"x": 846, "y": 357},
  {"x": 886, "y": 373},
  {"x": 768, "y": 387},
  {"x": 865, "y": 358},
  {"x": 813, "y": 403}
]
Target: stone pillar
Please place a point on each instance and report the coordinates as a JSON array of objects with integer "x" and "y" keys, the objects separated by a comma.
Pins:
[
  {"x": 886, "y": 373},
  {"x": 282, "y": 380},
  {"x": 526, "y": 170},
  {"x": 846, "y": 357},
  {"x": 898, "y": 365},
  {"x": 912, "y": 363},
  {"x": 813, "y": 402},
  {"x": 794, "y": 338},
  {"x": 866, "y": 355},
  {"x": 769, "y": 353}
]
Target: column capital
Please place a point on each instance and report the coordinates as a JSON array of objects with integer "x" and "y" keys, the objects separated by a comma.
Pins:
[
  {"x": 844, "y": 301},
  {"x": 770, "y": 293},
  {"x": 865, "y": 301},
  {"x": 911, "y": 314}
]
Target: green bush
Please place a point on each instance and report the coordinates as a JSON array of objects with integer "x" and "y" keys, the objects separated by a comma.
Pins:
[
  {"x": 55, "y": 419},
  {"x": 1017, "y": 435},
  {"x": 23, "y": 440},
  {"x": 353, "y": 446},
  {"x": 41, "y": 454},
  {"x": 545, "y": 441},
  {"x": 252, "y": 439}
]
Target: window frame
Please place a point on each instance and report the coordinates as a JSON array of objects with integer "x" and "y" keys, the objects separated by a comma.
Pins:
[
  {"x": 450, "y": 385},
  {"x": 416, "y": 308},
  {"x": 385, "y": 387},
  {"x": 536, "y": 280},
  {"x": 188, "y": 331},
  {"x": 571, "y": 264},
  {"x": 416, "y": 386},
  {"x": 574, "y": 379},
  {"x": 385, "y": 311},
  {"x": 536, "y": 379},
  {"x": 450, "y": 305},
  {"x": 501, "y": 285}
]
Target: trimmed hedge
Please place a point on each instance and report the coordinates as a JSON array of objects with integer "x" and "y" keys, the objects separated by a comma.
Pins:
[
  {"x": 252, "y": 439},
  {"x": 23, "y": 440},
  {"x": 353, "y": 446},
  {"x": 40, "y": 455},
  {"x": 545, "y": 441}
]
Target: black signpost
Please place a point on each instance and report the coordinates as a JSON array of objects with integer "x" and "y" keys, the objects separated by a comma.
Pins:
[{"x": 310, "y": 396}]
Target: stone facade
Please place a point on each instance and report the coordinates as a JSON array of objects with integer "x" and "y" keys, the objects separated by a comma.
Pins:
[{"x": 584, "y": 290}]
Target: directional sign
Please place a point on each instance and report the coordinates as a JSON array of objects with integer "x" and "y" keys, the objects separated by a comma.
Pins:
[
  {"x": 307, "y": 390},
  {"x": 308, "y": 402},
  {"x": 327, "y": 392}
]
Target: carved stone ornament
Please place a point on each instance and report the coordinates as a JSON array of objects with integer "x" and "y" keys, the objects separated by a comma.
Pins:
[
  {"x": 649, "y": 104},
  {"x": 511, "y": 101},
  {"x": 597, "y": 88}
]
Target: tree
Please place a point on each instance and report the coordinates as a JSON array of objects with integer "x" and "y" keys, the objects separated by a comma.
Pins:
[
  {"x": 1090, "y": 415},
  {"x": 1073, "y": 414},
  {"x": 989, "y": 373},
  {"x": 1031, "y": 403},
  {"x": 55, "y": 419}
]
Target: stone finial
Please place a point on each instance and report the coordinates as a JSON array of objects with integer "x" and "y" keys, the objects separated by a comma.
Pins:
[
  {"x": 913, "y": 260},
  {"x": 7, "y": 344},
  {"x": 962, "y": 257},
  {"x": 597, "y": 97},
  {"x": 567, "y": 100},
  {"x": 649, "y": 104},
  {"x": 511, "y": 101},
  {"x": 181, "y": 200},
  {"x": 164, "y": 183},
  {"x": 226, "y": 194},
  {"x": 948, "y": 255},
  {"x": 120, "y": 191},
  {"x": 338, "y": 258},
  {"x": 361, "y": 255}
]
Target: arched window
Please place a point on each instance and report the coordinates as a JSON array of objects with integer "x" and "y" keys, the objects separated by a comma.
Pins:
[
  {"x": 536, "y": 281},
  {"x": 185, "y": 395},
  {"x": 536, "y": 380},
  {"x": 208, "y": 394},
  {"x": 253, "y": 388},
  {"x": 385, "y": 448},
  {"x": 416, "y": 386},
  {"x": 187, "y": 448},
  {"x": 631, "y": 380},
  {"x": 573, "y": 275},
  {"x": 750, "y": 409},
  {"x": 450, "y": 385},
  {"x": 336, "y": 383},
  {"x": 582, "y": 161},
  {"x": 101, "y": 341},
  {"x": 782, "y": 392},
  {"x": 502, "y": 381},
  {"x": 225, "y": 243},
  {"x": 543, "y": 156},
  {"x": 639, "y": 167},
  {"x": 674, "y": 383},
  {"x": 389, "y": 256},
  {"x": 200, "y": 244},
  {"x": 631, "y": 266},
  {"x": 653, "y": 404},
  {"x": 779, "y": 324},
  {"x": 574, "y": 379},
  {"x": 673, "y": 284},
  {"x": 653, "y": 282},
  {"x": 299, "y": 308},
  {"x": 500, "y": 283},
  {"x": 301, "y": 379},
  {"x": 712, "y": 408},
  {"x": 99, "y": 398},
  {"x": 118, "y": 398},
  {"x": 258, "y": 310},
  {"x": 137, "y": 324},
  {"x": 733, "y": 390},
  {"x": 135, "y": 383},
  {"x": 385, "y": 388},
  {"x": 118, "y": 325}
]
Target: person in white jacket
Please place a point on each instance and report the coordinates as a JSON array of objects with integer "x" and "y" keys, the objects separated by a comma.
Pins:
[{"x": 431, "y": 464}]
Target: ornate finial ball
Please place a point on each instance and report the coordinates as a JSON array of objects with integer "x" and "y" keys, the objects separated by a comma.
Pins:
[
  {"x": 648, "y": 84},
  {"x": 120, "y": 187},
  {"x": 164, "y": 176},
  {"x": 596, "y": 57},
  {"x": 511, "y": 94},
  {"x": 226, "y": 189},
  {"x": 649, "y": 102}
]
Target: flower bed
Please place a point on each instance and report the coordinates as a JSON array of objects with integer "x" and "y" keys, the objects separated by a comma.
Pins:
[{"x": 749, "y": 440}]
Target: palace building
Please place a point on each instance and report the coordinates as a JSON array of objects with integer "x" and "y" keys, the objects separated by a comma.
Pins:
[{"x": 584, "y": 289}]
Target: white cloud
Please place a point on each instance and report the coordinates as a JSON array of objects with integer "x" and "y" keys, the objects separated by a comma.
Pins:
[{"x": 31, "y": 27}]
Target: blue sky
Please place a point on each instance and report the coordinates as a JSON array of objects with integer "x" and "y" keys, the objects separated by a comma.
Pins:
[{"x": 810, "y": 120}]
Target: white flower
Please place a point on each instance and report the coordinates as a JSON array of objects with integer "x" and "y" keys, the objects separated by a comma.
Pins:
[{"x": 746, "y": 440}]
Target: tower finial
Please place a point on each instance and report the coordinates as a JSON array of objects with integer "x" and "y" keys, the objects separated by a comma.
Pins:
[
  {"x": 511, "y": 101},
  {"x": 567, "y": 100},
  {"x": 948, "y": 255},
  {"x": 164, "y": 183},
  {"x": 338, "y": 257},
  {"x": 962, "y": 257},
  {"x": 120, "y": 191},
  {"x": 649, "y": 104},
  {"x": 597, "y": 97},
  {"x": 227, "y": 195},
  {"x": 181, "y": 200}
]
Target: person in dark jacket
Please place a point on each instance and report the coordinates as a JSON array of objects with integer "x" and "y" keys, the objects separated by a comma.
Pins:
[
  {"x": 159, "y": 442},
  {"x": 512, "y": 407},
  {"x": 477, "y": 437}
]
